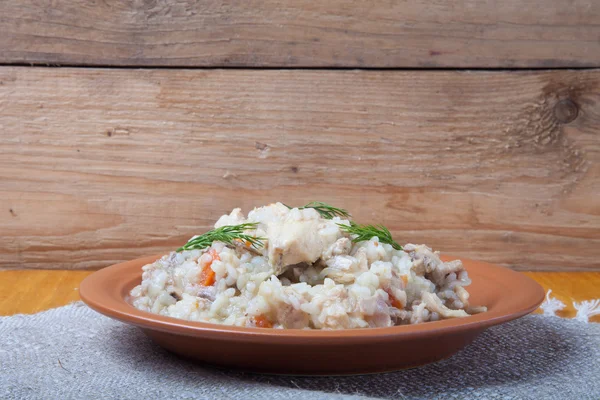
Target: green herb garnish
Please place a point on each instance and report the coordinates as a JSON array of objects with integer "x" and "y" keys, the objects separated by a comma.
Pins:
[
  {"x": 226, "y": 234},
  {"x": 326, "y": 211},
  {"x": 366, "y": 232}
]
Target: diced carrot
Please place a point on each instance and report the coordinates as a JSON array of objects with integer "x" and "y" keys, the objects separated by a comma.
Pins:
[
  {"x": 207, "y": 275},
  {"x": 394, "y": 301},
  {"x": 262, "y": 322},
  {"x": 404, "y": 279}
]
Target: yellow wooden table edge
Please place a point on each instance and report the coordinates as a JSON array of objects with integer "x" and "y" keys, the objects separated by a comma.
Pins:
[{"x": 31, "y": 291}]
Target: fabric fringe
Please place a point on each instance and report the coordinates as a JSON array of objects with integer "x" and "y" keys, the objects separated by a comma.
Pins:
[
  {"x": 585, "y": 310},
  {"x": 551, "y": 305}
]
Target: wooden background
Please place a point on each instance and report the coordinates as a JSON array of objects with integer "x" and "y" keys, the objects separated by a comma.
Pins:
[
  {"x": 101, "y": 162},
  {"x": 302, "y": 33}
]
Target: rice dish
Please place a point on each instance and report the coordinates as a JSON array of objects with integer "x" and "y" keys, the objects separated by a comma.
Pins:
[{"x": 300, "y": 268}]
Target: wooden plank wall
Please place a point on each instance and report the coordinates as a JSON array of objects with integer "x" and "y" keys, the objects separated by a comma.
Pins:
[
  {"x": 303, "y": 33},
  {"x": 99, "y": 165}
]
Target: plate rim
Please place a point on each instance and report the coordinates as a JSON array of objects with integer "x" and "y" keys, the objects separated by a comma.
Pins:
[{"x": 101, "y": 292}]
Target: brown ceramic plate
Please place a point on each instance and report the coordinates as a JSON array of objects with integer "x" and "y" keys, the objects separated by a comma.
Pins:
[{"x": 507, "y": 294}]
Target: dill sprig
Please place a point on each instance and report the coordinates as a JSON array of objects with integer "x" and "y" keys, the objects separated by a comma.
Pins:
[
  {"x": 366, "y": 232},
  {"x": 327, "y": 211},
  {"x": 226, "y": 234}
]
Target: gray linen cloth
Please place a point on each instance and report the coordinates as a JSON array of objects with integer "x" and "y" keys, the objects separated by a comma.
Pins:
[{"x": 73, "y": 352}]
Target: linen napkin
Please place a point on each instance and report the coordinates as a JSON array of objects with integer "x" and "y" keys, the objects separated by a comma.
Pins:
[{"x": 73, "y": 352}]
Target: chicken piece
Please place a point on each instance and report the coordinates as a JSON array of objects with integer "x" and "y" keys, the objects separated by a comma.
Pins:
[
  {"x": 342, "y": 246},
  {"x": 293, "y": 242},
  {"x": 301, "y": 237},
  {"x": 378, "y": 310},
  {"x": 424, "y": 259},
  {"x": 443, "y": 269},
  {"x": 293, "y": 236},
  {"x": 434, "y": 304},
  {"x": 419, "y": 267},
  {"x": 381, "y": 317},
  {"x": 341, "y": 269}
]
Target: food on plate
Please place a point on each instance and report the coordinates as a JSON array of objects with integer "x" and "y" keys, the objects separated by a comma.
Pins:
[{"x": 309, "y": 267}]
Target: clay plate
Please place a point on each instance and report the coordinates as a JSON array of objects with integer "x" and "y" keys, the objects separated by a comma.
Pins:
[{"x": 507, "y": 294}]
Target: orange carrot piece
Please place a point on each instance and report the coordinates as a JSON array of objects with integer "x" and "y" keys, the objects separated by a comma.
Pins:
[
  {"x": 394, "y": 301},
  {"x": 207, "y": 275},
  {"x": 262, "y": 322},
  {"x": 404, "y": 279}
]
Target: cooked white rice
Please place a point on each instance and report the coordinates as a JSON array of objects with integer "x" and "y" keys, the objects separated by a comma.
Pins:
[{"x": 348, "y": 285}]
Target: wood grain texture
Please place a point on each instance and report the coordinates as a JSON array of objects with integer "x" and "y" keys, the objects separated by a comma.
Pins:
[
  {"x": 100, "y": 166},
  {"x": 304, "y": 33},
  {"x": 31, "y": 291}
]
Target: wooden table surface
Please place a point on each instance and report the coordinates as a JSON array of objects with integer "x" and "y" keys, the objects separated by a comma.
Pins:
[{"x": 31, "y": 291}]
